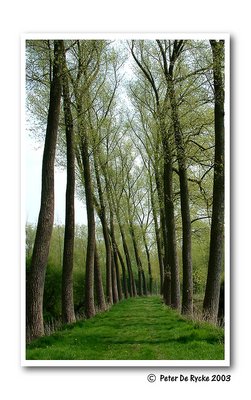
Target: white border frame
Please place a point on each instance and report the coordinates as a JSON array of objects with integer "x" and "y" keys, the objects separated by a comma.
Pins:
[{"x": 131, "y": 363}]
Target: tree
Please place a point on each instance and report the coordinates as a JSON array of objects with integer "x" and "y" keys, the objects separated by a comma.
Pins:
[
  {"x": 103, "y": 219},
  {"x": 115, "y": 264},
  {"x": 98, "y": 283},
  {"x": 148, "y": 149},
  {"x": 95, "y": 95},
  {"x": 211, "y": 299},
  {"x": 81, "y": 92},
  {"x": 115, "y": 189},
  {"x": 37, "y": 271},
  {"x": 171, "y": 283},
  {"x": 131, "y": 181},
  {"x": 67, "y": 285},
  {"x": 144, "y": 224},
  {"x": 88, "y": 60},
  {"x": 187, "y": 298},
  {"x": 118, "y": 254}
]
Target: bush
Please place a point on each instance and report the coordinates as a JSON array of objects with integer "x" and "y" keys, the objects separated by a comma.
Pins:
[{"x": 52, "y": 292}]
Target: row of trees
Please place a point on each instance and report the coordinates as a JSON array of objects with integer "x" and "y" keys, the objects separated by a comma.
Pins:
[{"x": 139, "y": 127}]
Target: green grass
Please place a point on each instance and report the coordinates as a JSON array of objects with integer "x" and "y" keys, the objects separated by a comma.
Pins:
[{"x": 134, "y": 329}]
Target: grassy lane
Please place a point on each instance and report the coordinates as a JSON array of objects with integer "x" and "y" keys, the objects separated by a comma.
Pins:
[{"x": 134, "y": 329}]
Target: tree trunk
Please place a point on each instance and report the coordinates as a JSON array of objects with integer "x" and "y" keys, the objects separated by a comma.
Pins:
[
  {"x": 108, "y": 262},
  {"x": 125, "y": 286},
  {"x": 89, "y": 277},
  {"x": 115, "y": 257},
  {"x": 68, "y": 314},
  {"x": 119, "y": 255},
  {"x": 144, "y": 284},
  {"x": 36, "y": 277},
  {"x": 157, "y": 234},
  {"x": 114, "y": 282},
  {"x": 166, "y": 279},
  {"x": 106, "y": 235},
  {"x": 187, "y": 298},
  {"x": 173, "y": 266},
  {"x": 137, "y": 257},
  {"x": 132, "y": 285},
  {"x": 148, "y": 262},
  {"x": 211, "y": 300},
  {"x": 98, "y": 282}
]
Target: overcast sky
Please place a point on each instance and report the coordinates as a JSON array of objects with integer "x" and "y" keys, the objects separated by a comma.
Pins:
[{"x": 33, "y": 168}]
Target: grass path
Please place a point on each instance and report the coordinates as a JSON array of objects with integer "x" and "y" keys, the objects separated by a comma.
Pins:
[{"x": 134, "y": 329}]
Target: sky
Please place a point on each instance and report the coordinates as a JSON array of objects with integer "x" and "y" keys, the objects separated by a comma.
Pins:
[{"x": 33, "y": 168}]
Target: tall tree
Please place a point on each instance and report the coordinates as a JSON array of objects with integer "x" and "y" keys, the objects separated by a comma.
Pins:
[
  {"x": 147, "y": 250},
  {"x": 88, "y": 59},
  {"x": 211, "y": 299},
  {"x": 131, "y": 281},
  {"x": 129, "y": 197},
  {"x": 68, "y": 314},
  {"x": 171, "y": 268},
  {"x": 174, "y": 54},
  {"x": 91, "y": 242},
  {"x": 103, "y": 219},
  {"x": 37, "y": 271},
  {"x": 149, "y": 151}
]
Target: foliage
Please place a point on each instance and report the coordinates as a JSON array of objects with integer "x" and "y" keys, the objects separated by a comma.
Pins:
[
  {"x": 122, "y": 108},
  {"x": 52, "y": 291}
]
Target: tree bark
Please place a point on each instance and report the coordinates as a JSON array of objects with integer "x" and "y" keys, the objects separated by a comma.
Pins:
[
  {"x": 187, "y": 297},
  {"x": 173, "y": 266},
  {"x": 114, "y": 282},
  {"x": 157, "y": 234},
  {"x": 68, "y": 314},
  {"x": 212, "y": 293},
  {"x": 115, "y": 257},
  {"x": 144, "y": 283},
  {"x": 98, "y": 282},
  {"x": 89, "y": 277},
  {"x": 132, "y": 285},
  {"x": 125, "y": 285},
  {"x": 148, "y": 262},
  {"x": 106, "y": 235},
  {"x": 36, "y": 277},
  {"x": 137, "y": 257},
  {"x": 170, "y": 288}
]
